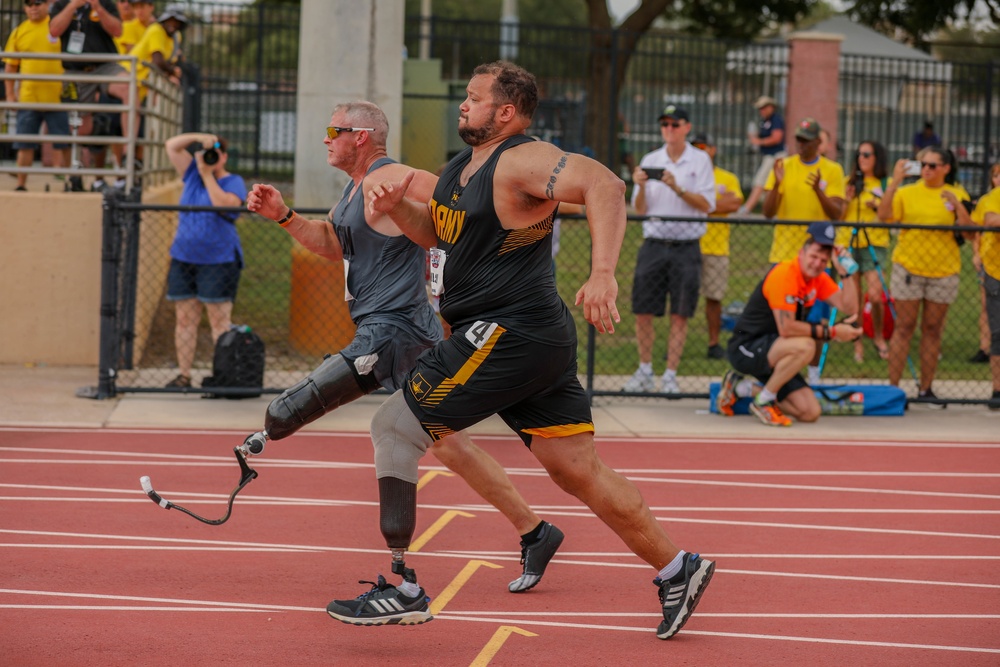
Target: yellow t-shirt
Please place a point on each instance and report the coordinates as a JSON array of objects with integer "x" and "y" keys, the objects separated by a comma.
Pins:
[
  {"x": 989, "y": 245},
  {"x": 34, "y": 37},
  {"x": 132, "y": 32},
  {"x": 154, "y": 39},
  {"x": 855, "y": 213},
  {"x": 716, "y": 238},
  {"x": 931, "y": 253},
  {"x": 799, "y": 202}
]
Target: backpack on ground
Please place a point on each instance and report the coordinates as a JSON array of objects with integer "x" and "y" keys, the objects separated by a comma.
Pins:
[{"x": 238, "y": 364}]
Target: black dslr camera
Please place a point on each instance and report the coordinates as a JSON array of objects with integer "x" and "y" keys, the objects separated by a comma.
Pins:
[{"x": 211, "y": 155}]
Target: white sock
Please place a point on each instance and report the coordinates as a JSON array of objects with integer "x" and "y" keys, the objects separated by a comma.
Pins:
[
  {"x": 646, "y": 369},
  {"x": 673, "y": 567},
  {"x": 408, "y": 589},
  {"x": 765, "y": 396},
  {"x": 669, "y": 374},
  {"x": 744, "y": 388}
]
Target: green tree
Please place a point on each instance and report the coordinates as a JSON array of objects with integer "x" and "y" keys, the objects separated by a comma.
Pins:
[{"x": 919, "y": 19}]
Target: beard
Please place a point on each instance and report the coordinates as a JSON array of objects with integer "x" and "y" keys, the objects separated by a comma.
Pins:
[{"x": 475, "y": 136}]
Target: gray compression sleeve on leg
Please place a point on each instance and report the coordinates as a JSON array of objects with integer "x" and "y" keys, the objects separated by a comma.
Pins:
[
  {"x": 325, "y": 389},
  {"x": 399, "y": 440}
]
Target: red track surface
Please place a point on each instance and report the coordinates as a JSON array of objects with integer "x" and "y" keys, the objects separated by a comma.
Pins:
[{"x": 869, "y": 553}]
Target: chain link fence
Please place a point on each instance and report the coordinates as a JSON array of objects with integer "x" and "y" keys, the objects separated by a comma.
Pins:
[{"x": 294, "y": 301}]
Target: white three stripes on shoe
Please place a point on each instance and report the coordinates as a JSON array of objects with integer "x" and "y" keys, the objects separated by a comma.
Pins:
[{"x": 386, "y": 606}]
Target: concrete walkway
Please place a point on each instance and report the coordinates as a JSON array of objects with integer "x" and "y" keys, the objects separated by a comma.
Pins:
[{"x": 46, "y": 396}]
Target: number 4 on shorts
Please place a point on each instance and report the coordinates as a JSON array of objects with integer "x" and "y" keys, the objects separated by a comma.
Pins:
[{"x": 480, "y": 332}]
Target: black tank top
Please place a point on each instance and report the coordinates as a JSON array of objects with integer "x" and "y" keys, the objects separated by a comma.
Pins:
[{"x": 491, "y": 273}]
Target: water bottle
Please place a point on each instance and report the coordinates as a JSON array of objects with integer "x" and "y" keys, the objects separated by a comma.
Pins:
[{"x": 847, "y": 263}]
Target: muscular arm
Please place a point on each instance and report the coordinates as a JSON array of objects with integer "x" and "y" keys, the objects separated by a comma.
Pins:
[
  {"x": 317, "y": 236},
  {"x": 405, "y": 202},
  {"x": 61, "y": 21},
  {"x": 531, "y": 175},
  {"x": 109, "y": 21},
  {"x": 8, "y": 84}
]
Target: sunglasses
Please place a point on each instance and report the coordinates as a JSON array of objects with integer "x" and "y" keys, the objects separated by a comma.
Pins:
[
  {"x": 334, "y": 132},
  {"x": 930, "y": 165},
  {"x": 865, "y": 154},
  {"x": 674, "y": 124}
]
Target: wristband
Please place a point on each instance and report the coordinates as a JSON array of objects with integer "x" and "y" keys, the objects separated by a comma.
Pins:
[
  {"x": 288, "y": 218},
  {"x": 833, "y": 332},
  {"x": 812, "y": 331}
]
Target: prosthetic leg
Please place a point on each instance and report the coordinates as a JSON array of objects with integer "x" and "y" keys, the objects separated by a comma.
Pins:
[
  {"x": 398, "y": 520},
  {"x": 328, "y": 387}
]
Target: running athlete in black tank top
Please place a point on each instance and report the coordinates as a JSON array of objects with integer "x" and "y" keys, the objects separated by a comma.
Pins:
[{"x": 491, "y": 272}]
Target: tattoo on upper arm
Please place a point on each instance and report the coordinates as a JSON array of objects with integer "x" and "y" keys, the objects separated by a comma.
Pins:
[{"x": 550, "y": 187}]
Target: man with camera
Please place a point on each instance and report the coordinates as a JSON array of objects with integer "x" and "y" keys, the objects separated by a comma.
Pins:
[
  {"x": 90, "y": 27},
  {"x": 675, "y": 180}
]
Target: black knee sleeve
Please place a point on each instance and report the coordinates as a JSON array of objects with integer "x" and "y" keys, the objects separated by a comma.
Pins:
[
  {"x": 397, "y": 511},
  {"x": 325, "y": 389}
]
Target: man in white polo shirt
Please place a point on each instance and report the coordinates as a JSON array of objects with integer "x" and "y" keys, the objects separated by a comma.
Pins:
[{"x": 674, "y": 180}]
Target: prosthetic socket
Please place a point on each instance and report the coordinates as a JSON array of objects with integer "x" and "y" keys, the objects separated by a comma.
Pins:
[{"x": 325, "y": 389}]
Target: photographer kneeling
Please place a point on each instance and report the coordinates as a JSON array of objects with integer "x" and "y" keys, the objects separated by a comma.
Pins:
[{"x": 206, "y": 256}]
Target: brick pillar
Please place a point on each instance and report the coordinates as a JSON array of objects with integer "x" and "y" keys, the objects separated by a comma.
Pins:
[{"x": 813, "y": 82}]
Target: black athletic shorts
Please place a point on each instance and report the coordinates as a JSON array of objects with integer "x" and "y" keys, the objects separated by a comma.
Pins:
[
  {"x": 749, "y": 357},
  {"x": 483, "y": 369}
]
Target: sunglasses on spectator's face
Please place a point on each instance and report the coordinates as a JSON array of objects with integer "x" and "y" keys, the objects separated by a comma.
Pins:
[
  {"x": 333, "y": 132},
  {"x": 865, "y": 154},
  {"x": 930, "y": 165},
  {"x": 674, "y": 124}
]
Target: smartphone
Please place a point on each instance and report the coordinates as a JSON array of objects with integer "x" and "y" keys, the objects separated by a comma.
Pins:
[
  {"x": 913, "y": 168},
  {"x": 654, "y": 174}
]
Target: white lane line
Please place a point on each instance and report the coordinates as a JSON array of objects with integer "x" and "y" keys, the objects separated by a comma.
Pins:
[
  {"x": 849, "y": 529},
  {"x": 568, "y": 510},
  {"x": 638, "y": 439},
  {"x": 212, "y": 606},
  {"x": 137, "y": 547},
  {"x": 815, "y": 487},
  {"x": 177, "y": 601},
  {"x": 732, "y": 635},
  {"x": 703, "y": 614},
  {"x": 512, "y": 558},
  {"x": 625, "y": 554},
  {"x": 68, "y": 607}
]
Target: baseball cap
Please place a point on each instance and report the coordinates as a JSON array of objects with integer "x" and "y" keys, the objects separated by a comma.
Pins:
[
  {"x": 822, "y": 232},
  {"x": 763, "y": 101},
  {"x": 808, "y": 129},
  {"x": 703, "y": 138},
  {"x": 173, "y": 12},
  {"x": 673, "y": 111}
]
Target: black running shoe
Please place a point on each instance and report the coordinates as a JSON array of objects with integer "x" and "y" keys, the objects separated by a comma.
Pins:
[
  {"x": 382, "y": 605},
  {"x": 535, "y": 557},
  {"x": 681, "y": 594}
]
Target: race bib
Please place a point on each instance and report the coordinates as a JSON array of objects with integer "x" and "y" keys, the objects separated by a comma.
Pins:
[
  {"x": 437, "y": 259},
  {"x": 347, "y": 270}
]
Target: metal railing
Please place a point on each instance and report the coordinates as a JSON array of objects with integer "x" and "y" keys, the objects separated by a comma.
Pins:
[{"x": 161, "y": 110}]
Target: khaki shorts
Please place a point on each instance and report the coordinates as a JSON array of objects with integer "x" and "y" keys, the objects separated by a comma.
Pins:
[
  {"x": 764, "y": 170},
  {"x": 907, "y": 286},
  {"x": 714, "y": 276}
]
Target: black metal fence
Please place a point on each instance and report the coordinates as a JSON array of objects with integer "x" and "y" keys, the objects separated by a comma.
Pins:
[{"x": 294, "y": 301}]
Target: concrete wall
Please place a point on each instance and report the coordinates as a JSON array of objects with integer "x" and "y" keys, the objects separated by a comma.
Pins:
[
  {"x": 50, "y": 273},
  {"x": 50, "y": 276},
  {"x": 348, "y": 50}
]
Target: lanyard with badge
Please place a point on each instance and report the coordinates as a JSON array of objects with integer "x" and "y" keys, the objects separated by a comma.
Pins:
[{"x": 77, "y": 37}]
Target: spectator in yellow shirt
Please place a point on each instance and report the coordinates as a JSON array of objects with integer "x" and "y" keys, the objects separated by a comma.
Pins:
[
  {"x": 160, "y": 48},
  {"x": 715, "y": 245},
  {"x": 865, "y": 188},
  {"x": 926, "y": 263},
  {"x": 805, "y": 186},
  {"x": 137, "y": 15},
  {"x": 987, "y": 213},
  {"x": 32, "y": 36}
]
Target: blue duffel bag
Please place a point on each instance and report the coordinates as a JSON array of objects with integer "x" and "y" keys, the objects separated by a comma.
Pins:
[{"x": 845, "y": 399}]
